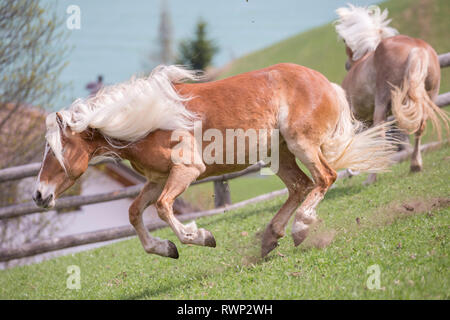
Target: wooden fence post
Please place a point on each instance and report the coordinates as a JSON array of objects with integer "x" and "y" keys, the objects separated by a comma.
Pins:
[{"x": 222, "y": 195}]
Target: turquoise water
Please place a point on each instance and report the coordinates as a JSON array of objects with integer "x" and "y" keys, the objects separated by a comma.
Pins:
[{"x": 116, "y": 36}]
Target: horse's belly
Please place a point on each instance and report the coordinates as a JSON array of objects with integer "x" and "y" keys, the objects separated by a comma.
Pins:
[{"x": 363, "y": 107}]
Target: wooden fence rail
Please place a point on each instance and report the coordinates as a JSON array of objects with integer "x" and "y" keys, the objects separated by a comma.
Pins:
[
  {"x": 28, "y": 170},
  {"x": 22, "y": 209},
  {"x": 444, "y": 59},
  {"x": 59, "y": 243}
]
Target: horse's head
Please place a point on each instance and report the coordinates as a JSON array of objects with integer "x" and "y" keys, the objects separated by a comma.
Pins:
[
  {"x": 362, "y": 29},
  {"x": 66, "y": 158}
]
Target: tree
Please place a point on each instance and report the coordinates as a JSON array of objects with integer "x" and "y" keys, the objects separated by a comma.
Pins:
[
  {"x": 199, "y": 51},
  {"x": 31, "y": 60},
  {"x": 163, "y": 53},
  {"x": 32, "y": 56}
]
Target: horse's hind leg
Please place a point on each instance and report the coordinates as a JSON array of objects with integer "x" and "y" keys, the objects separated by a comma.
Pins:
[
  {"x": 298, "y": 185},
  {"x": 382, "y": 105},
  {"x": 416, "y": 157},
  {"x": 146, "y": 197},
  {"x": 179, "y": 179},
  {"x": 323, "y": 176}
]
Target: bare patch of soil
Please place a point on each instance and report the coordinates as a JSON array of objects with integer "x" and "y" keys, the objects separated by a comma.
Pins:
[{"x": 407, "y": 208}]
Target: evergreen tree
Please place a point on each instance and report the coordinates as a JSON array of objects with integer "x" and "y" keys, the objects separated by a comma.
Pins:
[{"x": 199, "y": 51}]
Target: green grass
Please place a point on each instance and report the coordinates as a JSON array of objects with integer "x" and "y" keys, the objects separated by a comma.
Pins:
[
  {"x": 320, "y": 49},
  {"x": 410, "y": 248}
]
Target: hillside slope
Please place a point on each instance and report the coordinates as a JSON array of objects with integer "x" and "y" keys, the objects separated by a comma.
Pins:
[
  {"x": 320, "y": 49},
  {"x": 399, "y": 223}
]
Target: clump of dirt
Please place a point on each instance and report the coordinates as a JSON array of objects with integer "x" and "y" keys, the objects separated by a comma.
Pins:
[
  {"x": 389, "y": 214},
  {"x": 250, "y": 250},
  {"x": 321, "y": 239},
  {"x": 319, "y": 236},
  {"x": 420, "y": 206}
]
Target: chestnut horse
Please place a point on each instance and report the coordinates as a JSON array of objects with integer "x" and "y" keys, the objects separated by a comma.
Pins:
[
  {"x": 135, "y": 121},
  {"x": 389, "y": 73}
]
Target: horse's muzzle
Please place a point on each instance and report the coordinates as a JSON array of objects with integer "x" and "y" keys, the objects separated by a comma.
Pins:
[
  {"x": 46, "y": 203},
  {"x": 347, "y": 65}
]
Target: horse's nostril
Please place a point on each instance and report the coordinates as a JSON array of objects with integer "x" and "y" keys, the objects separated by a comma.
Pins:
[{"x": 38, "y": 195}]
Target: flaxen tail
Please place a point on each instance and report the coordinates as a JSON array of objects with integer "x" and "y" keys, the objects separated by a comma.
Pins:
[
  {"x": 411, "y": 104},
  {"x": 352, "y": 147}
]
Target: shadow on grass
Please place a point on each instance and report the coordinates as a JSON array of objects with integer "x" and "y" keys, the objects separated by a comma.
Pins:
[{"x": 148, "y": 293}]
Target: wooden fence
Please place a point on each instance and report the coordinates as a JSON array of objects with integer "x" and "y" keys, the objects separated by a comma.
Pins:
[{"x": 221, "y": 189}]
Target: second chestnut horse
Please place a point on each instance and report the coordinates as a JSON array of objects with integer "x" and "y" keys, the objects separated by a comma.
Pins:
[{"x": 389, "y": 73}]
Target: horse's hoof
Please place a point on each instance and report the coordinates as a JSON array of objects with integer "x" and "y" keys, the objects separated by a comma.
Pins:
[
  {"x": 269, "y": 241},
  {"x": 300, "y": 233},
  {"x": 209, "y": 239},
  {"x": 299, "y": 237},
  {"x": 415, "y": 168},
  {"x": 268, "y": 247},
  {"x": 172, "y": 250}
]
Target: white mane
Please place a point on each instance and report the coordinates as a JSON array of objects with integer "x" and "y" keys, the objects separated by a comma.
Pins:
[
  {"x": 128, "y": 111},
  {"x": 362, "y": 29}
]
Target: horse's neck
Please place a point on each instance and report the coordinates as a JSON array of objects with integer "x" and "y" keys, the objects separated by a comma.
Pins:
[
  {"x": 101, "y": 147},
  {"x": 363, "y": 73}
]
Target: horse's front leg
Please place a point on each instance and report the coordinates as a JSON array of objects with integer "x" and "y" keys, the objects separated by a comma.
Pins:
[
  {"x": 146, "y": 197},
  {"x": 179, "y": 179}
]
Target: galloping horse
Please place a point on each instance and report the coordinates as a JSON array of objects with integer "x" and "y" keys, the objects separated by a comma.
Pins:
[
  {"x": 389, "y": 73},
  {"x": 135, "y": 120}
]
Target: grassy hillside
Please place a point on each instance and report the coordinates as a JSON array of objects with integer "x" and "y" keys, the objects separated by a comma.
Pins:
[
  {"x": 320, "y": 49},
  {"x": 400, "y": 224}
]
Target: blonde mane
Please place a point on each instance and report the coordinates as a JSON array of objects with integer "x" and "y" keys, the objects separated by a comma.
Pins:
[
  {"x": 128, "y": 111},
  {"x": 362, "y": 29}
]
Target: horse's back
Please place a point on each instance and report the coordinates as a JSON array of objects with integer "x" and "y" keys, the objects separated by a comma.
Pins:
[
  {"x": 255, "y": 95},
  {"x": 392, "y": 55}
]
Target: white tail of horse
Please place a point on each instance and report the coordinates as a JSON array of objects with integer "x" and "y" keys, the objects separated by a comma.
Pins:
[
  {"x": 411, "y": 104},
  {"x": 354, "y": 148}
]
